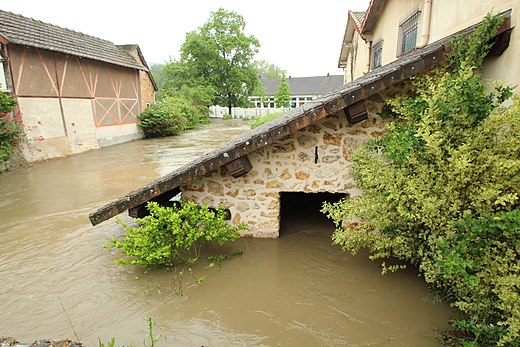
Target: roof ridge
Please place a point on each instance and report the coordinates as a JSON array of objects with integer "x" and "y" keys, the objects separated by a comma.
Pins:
[
  {"x": 57, "y": 26},
  {"x": 27, "y": 31}
]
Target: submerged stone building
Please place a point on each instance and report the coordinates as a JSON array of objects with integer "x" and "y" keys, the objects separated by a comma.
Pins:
[{"x": 307, "y": 150}]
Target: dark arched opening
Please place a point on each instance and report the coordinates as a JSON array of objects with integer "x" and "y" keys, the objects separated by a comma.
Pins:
[{"x": 300, "y": 208}]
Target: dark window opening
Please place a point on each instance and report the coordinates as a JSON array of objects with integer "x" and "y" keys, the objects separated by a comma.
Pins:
[
  {"x": 377, "y": 54},
  {"x": 408, "y": 33},
  {"x": 299, "y": 210}
]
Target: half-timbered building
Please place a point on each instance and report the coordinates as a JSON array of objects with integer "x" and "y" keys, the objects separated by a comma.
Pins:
[{"x": 74, "y": 92}]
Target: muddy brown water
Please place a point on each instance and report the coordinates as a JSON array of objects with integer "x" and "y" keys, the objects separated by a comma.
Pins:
[{"x": 57, "y": 280}]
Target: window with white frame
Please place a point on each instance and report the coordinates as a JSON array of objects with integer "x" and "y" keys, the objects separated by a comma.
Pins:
[
  {"x": 408, "y": 29},
  {"x": 376, "y": 58}
]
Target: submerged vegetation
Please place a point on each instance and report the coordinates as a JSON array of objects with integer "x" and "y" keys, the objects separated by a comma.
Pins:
[
  {"x": 174, "y": 237},
  {"x": 441, "y": 192}
]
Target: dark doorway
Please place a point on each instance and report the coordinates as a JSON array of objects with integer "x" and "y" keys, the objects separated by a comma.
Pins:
[{"x": 299, "y": 208}]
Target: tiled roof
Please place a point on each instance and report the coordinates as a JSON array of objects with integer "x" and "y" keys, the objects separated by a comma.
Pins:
[
  {"x": 358, "y": 18},
  {"x": 26, "y": 31},
  {"x": 408, "y": 65},
  {"x": 317, "y": 85}
]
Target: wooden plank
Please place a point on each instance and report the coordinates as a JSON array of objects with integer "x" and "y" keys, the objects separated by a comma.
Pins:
[
  {"x": 354, "y": 95},
  {"x": 356, "y": 113},
  {"x": 239, "y": 167},
  {"x": 434, "y": 58},
  {"x": 393, "y": 77},
  {"x": 334, "y": 105},
  {"x": 280, "y": 132},
  {"x": 413, "y": 68},
  {"x": 299, "y": 123},
  {"x": 373, "y": 87}
]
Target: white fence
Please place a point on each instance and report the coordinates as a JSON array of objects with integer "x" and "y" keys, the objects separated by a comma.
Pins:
[{"x": 238, "y": 112}]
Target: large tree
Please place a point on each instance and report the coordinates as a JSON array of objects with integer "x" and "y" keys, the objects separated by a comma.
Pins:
[
  {"x": 268, "y": 69},
  {"x": 219, "y": 54}
]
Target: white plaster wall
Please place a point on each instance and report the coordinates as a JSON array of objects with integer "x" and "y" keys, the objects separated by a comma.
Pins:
[
  {"x": 448, "y": 17},
  {"x": 44, "y": 129},
  {"x": 114, "y": 134},
  {"x": 387, "y": 27},
  {"x": 79, "y": 119}
]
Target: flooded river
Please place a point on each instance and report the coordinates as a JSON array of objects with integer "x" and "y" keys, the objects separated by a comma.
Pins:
[{"x": 57, "y": 280}]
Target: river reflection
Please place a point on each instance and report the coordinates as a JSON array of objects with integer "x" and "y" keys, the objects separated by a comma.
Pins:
[{"x": 298, "y": 290}]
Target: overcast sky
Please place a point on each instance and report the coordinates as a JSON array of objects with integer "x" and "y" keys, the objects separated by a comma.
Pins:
[{"x": 302, "y": 37}]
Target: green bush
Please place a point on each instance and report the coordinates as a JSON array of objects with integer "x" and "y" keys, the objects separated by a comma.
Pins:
[
  {"x": 172, "y": 115},
  {"x": 7, "y": 103},
  {"x": 161, "y": 119},
  {"x": 173, "y": 236},
  {"x": 257, "y": 121},
  {"x": 440, "y": 190},
  {"x": 10, "y": 130}
]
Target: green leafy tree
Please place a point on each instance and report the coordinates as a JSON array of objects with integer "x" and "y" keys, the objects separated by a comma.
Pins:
[
  {"x": 267, "y": 69},
  {"x": 158, "y": 74},
  {"x": 440, "y": 190},
  {"x": 219, "y": 54},
  {"x": 282, "y": 97}
]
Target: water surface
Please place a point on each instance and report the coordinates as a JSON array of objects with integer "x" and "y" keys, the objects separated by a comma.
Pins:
[{"x": 298, "y": 290}]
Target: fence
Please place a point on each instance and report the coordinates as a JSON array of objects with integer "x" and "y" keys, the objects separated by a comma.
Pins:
[{"x": 246, "y": 113}]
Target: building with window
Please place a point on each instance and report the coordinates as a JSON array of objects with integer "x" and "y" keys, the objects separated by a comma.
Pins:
[
  {"x": 392, "y": 29},
  {"x": 303, "y": 89}
]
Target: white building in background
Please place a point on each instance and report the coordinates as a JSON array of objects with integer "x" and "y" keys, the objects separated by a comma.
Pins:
[{"x": 302, "y": 89}]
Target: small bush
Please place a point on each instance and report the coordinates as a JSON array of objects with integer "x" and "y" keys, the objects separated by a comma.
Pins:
[
  {"x": 172, "y": 115},
  {"x": 257, "y": 121},
  {"x": 10, "y": 130},
  {"x": 173, "y": 236}
]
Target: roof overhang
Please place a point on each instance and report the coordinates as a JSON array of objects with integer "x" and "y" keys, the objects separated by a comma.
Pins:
[
  {"x": 348, "y": 37},
  {"x": 343, "y": 100},
  {"x": 375, "y": 8}
]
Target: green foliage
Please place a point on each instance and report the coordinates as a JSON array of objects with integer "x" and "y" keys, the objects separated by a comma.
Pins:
[
  {"x": 441, "y": 191},
  {"x": 150, "y": 336},
  {"x": 158, "y": 74},
  {"x": 219, "y": 55},
  {"x": 7, "y": 103},
  {"x": 10, "y": 130},
  {"x": 257, "y": 121},
  {"x": 263, "y": 67},
  {"x": 172, "y": 236},
  {"x": 153, "y": 339},
  {"x": 175, "y": 112},
  {"x": 111, "y": 343},
  {"x": 282, "y": 97}
]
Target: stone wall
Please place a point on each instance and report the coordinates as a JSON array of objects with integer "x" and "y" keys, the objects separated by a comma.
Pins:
[
  {"x": 315, "y": 159},
  {"x": 147, "y": 90}
]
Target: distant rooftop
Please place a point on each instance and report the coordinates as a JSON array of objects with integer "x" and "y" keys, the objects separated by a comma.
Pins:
[
  {"x": 17, "y": 29},
  {"x": 316, "y": 85}
]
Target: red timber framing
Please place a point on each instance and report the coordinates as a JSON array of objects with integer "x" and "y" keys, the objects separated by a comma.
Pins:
[{"x": 114, "y": 90}]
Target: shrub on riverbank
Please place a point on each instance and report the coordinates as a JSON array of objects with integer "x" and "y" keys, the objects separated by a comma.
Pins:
[
  {"x": 172, "y": 115},
  {"x": 10, "y": 130},
  {"x": 441, "y": 191}
]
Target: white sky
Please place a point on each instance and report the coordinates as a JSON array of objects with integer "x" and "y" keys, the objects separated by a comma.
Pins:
[{"x": 303, "y": 37}]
